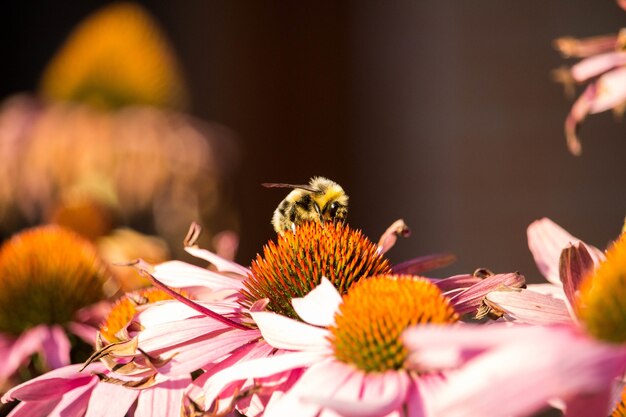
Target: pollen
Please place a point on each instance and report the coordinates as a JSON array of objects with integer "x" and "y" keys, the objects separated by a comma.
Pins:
[
  {"x": 602, "y": 302},
  {"x": 375, "y": 313},
  {"x": 295, "y": 264},
  {"x": 46, "y": 275},
  {"x": 125, "y": 309}
]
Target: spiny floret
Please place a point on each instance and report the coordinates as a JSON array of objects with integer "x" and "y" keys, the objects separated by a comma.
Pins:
[
  {"x": 294, "y": 264},
  {"x": 602, "y": 302},
  {"x": 375, "y": 313},
  {"x": 46, "y": 275}
]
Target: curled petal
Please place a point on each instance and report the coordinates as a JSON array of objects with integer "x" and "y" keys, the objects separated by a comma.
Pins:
[
  {"x": 319, "y": 306},
  {"x": 581, "y": 48},
  {"x": 611, "y": 91},
  {"x": 598, "y": 64},
  {"x": 579, "y": 111},
  {"x": 574, "y": 264},
  {"x": 389, "y": 238},
  {"x": 285, "y": 333},
  {"x": 456, "y": 284}
]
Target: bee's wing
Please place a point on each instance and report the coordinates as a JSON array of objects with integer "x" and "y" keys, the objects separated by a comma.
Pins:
[{"x": 302, "y": 187}]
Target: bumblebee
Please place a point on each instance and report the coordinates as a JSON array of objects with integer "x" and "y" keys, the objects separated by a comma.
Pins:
[{"x": 321, "y": 200}]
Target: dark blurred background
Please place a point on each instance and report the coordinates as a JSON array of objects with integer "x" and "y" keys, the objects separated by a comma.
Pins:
[{"x": 439, "y": 112}]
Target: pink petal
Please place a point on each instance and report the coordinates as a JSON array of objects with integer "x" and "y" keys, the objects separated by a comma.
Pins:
[
  {"x": 100, "y": 404},
  {"x": 611, "y": 91},
  {"x": 390, "y": 236},
  {"x": 56, "y": 347},
  {"x": 171, "y": 311},
  {"x": 421, "y": 264},
  {"x": 257, "y": 368},
  {"x": 164, "y": 399},
  {"x": 532, "y": 367},
  {"x": 86, "y": 332},
  {"x": 170, "y": 334},
  {"x": 326, "y": 376},
  {"x": 598, "y": 404},
  {"x": 597, "y": 64},
  {"x": 578, "y": 113},
  {"x": 285, "y": 333},
  {"x": 469, "y": 300},
  {"x": 53, "y": 384},
  {"x": 33, "y": 409},
  {"x": 199, "y": 353},
  {"x": 574, "y": 264},
  {"x": 25, "y": 345},
  {"x": 530, "y": 307},
  {"x": 547, "y": 288},
  {"x": 455, "y": 284},
  {"x": 319, "y": 306},
  {"x": 222, "y": 265},
  {"x": 366, "y": 395},
  {"x": 179, "y": 274},
  {"x": 546, "y": 241},
  {"x": 75, "y": 401}
]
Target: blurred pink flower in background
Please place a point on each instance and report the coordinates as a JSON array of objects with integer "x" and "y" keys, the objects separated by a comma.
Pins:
[{"x": 604, "y": 68}]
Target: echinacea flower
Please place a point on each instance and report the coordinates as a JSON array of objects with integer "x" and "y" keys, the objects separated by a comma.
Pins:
[
  {"x": 578, "y": 361},
  {"x": 350, "y": 348},
  {"x": 49, "y": 278},
  {"x": 604, "y": 68}
]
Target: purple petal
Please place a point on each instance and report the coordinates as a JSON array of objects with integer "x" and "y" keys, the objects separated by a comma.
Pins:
[
  {"x": 597, "y": 404},
  {"x": 34, "y": 409},
  {"x": 222, "y": 265},
  {"x": 180, "y": 274},
  {"x": 455, "y": 284},
  {"x": 579, "y": 111},
  {"x": 574, "y": 264},
  {"x": 418, "y": 266},
  {"x": 546, "y": 240}
]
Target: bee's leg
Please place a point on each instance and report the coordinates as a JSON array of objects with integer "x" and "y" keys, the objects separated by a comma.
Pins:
[{"x": 293, "y": 228}]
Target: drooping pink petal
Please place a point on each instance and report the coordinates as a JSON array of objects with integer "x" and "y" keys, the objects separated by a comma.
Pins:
[
  {"x": 582, "y": 48},
  {"x": 222, "y": 265},
  {"x": 257, "y": 368},
  {"x": 53, "y": 384},
  {"x": 365, "y": 395},
  {"x": 319, "y": 306},
  {"x": 574, "y": 264},
  {"x": 179, "y": 274},
  {"x": 421, "y": 264},
  {"x": 530, "y": 307},
  {"x": 578, "y": 113},
  {"x": 110, "y": 400},
  {"x": 611, "y": 91},
  {"x": 29, "y": 342},
  {"x": 471, "y": 299},
  {"x": 285, "y": 333},
  {"x": 164, "y": 399},
  {"x": 598, "y": 64},
  {"x": 390, "y": 236},
  {"x": 170, "y": 311},
  {"x": 458, "y": 283},
  {"x": 56, "y": 347}
]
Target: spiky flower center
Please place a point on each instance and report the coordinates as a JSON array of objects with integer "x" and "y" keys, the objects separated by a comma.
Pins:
[
  {"x": 125, "y": 309},
  {"x": 620, "y": 408},
  {"x": 602, "y": 302},
  {"x": 46, "y": 275},
  {"x": 375, "y": 313},
  {"x": 295, "y": 264}
]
